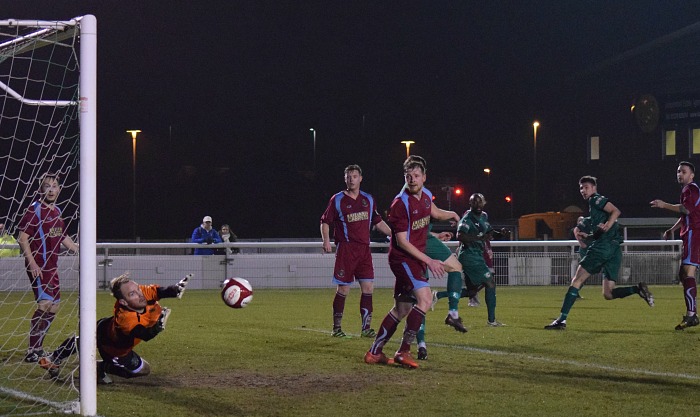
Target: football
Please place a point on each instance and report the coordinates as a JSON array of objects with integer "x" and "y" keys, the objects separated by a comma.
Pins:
[{"x": 237, "y": 292}]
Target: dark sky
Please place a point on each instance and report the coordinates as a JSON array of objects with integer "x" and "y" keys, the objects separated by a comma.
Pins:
[{"x": 225, "y": 93}]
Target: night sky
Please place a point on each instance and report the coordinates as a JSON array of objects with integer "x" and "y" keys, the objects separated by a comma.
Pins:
[{"x": 225, "y": 93}]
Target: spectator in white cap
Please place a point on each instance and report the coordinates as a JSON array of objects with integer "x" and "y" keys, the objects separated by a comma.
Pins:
[{"x": 205, "y": 234}]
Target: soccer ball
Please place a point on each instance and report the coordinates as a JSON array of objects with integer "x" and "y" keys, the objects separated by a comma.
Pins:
[{"x": 237, "y": 292}]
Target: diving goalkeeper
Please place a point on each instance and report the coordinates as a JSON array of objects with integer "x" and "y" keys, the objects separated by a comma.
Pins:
[{"x": 137, "y": 317}]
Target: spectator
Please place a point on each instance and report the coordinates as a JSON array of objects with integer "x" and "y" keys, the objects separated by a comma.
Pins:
[
  {"x": 7, "y": 239},
  {"x": 205, "y": 234},
  {"x": 227, "y": 236}
]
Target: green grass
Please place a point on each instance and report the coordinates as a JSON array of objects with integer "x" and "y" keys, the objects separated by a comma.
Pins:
[{"x": 276, "y": 358}]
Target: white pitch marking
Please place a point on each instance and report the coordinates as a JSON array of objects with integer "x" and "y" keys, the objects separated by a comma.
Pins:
[{"x": 548, "y": 360}]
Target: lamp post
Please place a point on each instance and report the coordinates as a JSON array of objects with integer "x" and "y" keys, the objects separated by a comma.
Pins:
[
  {"x": 313, "y": 132},
  {"x": 535, "y": 125},
  {"x": 133, "y": 132},
  {"x": 408, "y": 144}
]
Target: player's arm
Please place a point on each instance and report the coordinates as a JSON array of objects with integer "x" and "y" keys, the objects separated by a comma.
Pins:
[
  {"x": 440, "y": 214},
  {"x": 435, "y": 266},
  {"x": 383, "y": 227},
  {"x": 443, "y": 236},
  {"x": 23, "y": 241},
  {"x": 668, "y": 233},
  {"x": 174, "y": 291},
  {"x": 613, "y": 214},
  {"x": 71, "y": 245},
  {"x": 580, "y": 236},
  {"x": 467, "y": 238},
  {"x": 677, "y": 208},
  {"x": 326, "y": 236}
]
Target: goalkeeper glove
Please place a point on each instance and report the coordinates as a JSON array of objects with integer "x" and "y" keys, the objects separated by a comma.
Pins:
[
  {"x": 183, "y": 284},
  {"x": 160, "y": 324}
]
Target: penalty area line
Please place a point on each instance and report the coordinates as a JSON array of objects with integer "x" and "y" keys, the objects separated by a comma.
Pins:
[{"x": 534, "y": 358}]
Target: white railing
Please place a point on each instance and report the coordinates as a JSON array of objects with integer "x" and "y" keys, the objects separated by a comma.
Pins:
[{"x": 303, "y": 265}]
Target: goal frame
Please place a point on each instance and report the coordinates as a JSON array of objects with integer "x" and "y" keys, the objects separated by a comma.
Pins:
[{"x": 88, "y": 190}]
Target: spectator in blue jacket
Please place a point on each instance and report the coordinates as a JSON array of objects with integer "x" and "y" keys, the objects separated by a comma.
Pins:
[{"x": 206, "y": 235}]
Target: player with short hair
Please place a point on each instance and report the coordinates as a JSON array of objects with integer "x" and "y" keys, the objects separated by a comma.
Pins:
[
  {"x": 473, "y": 231},
  {"x": 41, "y": 234},
  {"x": 689, "y": 223},
  {"x": 137, "y": 317},
  {"x": 409, "y": 218},
  {"x": 603, "y": 254},
  {"x": 352, "y": 213}
]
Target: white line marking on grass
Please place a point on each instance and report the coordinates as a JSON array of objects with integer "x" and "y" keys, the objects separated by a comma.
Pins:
[{"x": 544, "y": 359}]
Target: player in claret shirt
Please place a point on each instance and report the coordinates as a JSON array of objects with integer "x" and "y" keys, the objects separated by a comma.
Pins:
[
  {"x": 352, "y": 213},
  {"x": 409, "y": 218},
  {"x": 689, "y": 223},
  {"x": 42, "y": 231}
]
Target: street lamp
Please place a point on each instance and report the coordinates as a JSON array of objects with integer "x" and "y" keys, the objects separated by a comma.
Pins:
[
  {"x": 133, "y": 132},
  {"x": 408, "y": 144},
  {"x": 313, "y": 132},
  {"x": 535, "y": 125}
]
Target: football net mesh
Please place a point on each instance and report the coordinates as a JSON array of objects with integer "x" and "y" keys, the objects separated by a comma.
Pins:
[{"x": 39, "y": 133}]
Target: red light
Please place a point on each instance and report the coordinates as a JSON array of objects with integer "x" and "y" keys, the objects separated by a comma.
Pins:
[
  {"x": 433, "y": 198},
  {"x": 458, "y": 191},
  {"x": 508, "y": 199}
]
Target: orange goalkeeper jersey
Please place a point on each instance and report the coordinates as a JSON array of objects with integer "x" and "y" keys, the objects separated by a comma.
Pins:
[{"x": 120, "y": 340}]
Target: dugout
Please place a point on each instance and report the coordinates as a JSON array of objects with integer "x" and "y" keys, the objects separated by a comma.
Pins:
[{"x": 550, "y": 225}]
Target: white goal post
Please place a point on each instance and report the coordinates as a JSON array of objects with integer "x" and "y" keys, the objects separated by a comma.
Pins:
[{"x": 48, "y": 80}]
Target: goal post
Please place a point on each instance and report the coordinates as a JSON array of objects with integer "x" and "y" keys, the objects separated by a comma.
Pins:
[{"x": 48, "y": 119}]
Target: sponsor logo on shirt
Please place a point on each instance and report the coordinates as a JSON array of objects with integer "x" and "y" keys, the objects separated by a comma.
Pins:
[
  {"x": 356, "y": 217},
  {"x": 420, "y": 223},
  {"x": 55, "y": 231}
]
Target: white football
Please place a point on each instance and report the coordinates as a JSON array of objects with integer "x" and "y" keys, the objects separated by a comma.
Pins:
[{"x": 237, "y": 292}]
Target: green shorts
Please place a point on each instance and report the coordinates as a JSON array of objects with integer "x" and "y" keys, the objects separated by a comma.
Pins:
[
  {"x": 436, "y": 249},
  {"x": 605, "y": 257},
  {"x": 475, "y": 269}
]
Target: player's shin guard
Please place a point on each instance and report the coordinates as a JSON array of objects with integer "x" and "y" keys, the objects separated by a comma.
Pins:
[
  {"x": 454, "y": 289},
  {"x": 420, "y": 336},
  {"x": 40, "y": 323},
  {"x": 386, "y": 330},
  {"x": 690, "y": 293},
  {"x": 338, "y": 309},
  {"x": 569, "y": 300},
  {"x": 413, "y": 323},
  {"x": 491, "y": 303},
  {"x": 366, "y": 310}
]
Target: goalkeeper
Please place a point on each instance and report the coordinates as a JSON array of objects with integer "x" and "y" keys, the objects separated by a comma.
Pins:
[{"x": 137, "y": 317}]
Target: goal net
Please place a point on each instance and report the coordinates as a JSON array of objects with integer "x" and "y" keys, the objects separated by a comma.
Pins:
[{"x": 47, "y": 125}]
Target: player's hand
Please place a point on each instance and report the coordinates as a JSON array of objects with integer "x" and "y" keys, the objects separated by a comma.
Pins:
[
  {"x": 445, "y": 236},
  {"x": 668, "y": 234},
  {"x": 437, "y": 268},
  {"x": 505, "y": 233},
  {"x": 163, "y": 319},
  {"x": 327, "y": 247},
  {"x": 183, "y": 284},
  {"x": 657, "y": 203}
]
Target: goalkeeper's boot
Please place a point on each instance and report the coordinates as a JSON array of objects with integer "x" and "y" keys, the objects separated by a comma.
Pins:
[
  {"x": 688, "y": 321},
  {"x": 368, "y": 333},
  {"x": 556, "y": 325},
  {"x": 406, "y": 360},
  {"x": 338, "y": 332},
  {"x": 434, "y": 301},
  {"x": 645, "y": 294},
  {"x": 456, "y": 323},
  {"x": 33, "y": 355},
  {"x": 378, "y": 359},
  {"x": 422, "y": 353},
  {"x": 102, "y": 377}
]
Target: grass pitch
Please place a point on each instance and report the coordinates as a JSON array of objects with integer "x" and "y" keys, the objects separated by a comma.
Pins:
[{"x": 276, "y": 358}]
